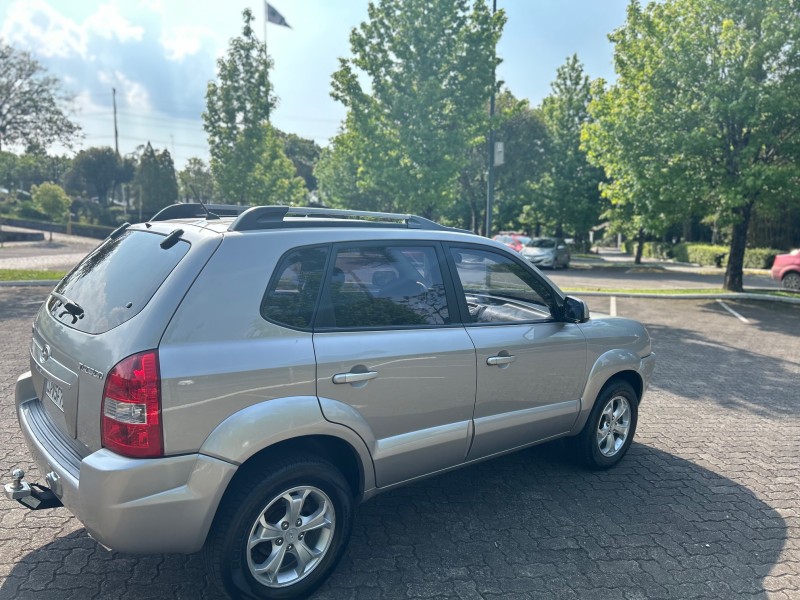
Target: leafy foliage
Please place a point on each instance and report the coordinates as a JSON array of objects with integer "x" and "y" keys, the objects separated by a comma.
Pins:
[
  {"x": 429, "y": 69},
  {"x": 52, "y": 200},
  {"x": 20, "y": 172},
  {"x": 705, "y": 114},
  {"x": 33, "y": 105},
  {"x": 195, "y": 181},
  {"x": 94, "y": 173},
  {"x": 304, "y": 154},
  {"x": 247, "y": 159},
  {"x": 567, "y": 197},
  {"x": 155, "y": 180},
  {"x": 523, "y": 133}
]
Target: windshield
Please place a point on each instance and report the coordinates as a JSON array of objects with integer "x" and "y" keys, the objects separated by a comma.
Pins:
[
  {"x": 542, "y": 243},
  {"x": 113, "y": 283}
]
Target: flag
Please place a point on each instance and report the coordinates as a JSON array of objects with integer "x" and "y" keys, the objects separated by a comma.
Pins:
[{"x": 273, "y": 16}]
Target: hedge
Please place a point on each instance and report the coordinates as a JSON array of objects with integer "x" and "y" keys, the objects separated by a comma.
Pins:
[
  {"x": 704, "y": 254},
  {"x": 708, "y": 255}
]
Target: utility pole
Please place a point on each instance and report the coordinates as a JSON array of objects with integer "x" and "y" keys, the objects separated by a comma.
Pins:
[
  {"x": 116, "y": 142},
  {"x": 490, "y": 150},
  {"x": 116, "y": 133}
]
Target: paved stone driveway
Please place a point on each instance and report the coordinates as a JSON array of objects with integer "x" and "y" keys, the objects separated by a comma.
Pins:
[{"x": 705, "y": 505}]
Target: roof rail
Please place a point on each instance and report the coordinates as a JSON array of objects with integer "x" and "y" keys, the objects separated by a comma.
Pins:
[
  {"x": 272, "y": 217},
  {"x": 195, "y": 209}
]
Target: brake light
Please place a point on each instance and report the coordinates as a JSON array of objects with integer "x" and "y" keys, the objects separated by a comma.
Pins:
[{"x": 131, "y": 421}]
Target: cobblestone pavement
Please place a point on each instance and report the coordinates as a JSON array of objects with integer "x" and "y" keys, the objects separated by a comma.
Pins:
[{"x": 705, "y": 505}]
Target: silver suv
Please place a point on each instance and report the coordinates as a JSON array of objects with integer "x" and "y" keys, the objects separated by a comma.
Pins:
[{"x": 236, "y": 380}]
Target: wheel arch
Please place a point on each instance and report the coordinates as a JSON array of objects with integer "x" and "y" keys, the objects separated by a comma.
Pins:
[
  {"x": 615, "y": 365},
  {"x": 334, "y": 449},
  {"x": 268, "y": 428}
]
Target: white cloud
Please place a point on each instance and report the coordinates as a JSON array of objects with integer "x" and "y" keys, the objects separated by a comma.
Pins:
[
  {"x": 185, "y": 40},
  {"x": 133, "y": 94},
  {"x": 107, "y": 22},
  {"x": 37, "y": 25}
]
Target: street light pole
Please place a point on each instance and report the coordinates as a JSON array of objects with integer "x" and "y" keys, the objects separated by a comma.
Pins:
[{"x": 490, "y": 150}]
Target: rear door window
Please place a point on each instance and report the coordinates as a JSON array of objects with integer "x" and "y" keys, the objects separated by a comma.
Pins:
[
  {"x": 384, "y": 286},
  {"x": 115, "y": 282}
]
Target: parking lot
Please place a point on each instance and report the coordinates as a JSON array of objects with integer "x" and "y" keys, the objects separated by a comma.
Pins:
[{"x": 705, "y": 505}]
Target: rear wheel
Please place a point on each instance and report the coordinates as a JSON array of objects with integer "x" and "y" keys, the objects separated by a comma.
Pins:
[
  {"x": 609, "y": 431},
  {"x": 278, "y": 534},
  {"x": 791, "y": 281}
]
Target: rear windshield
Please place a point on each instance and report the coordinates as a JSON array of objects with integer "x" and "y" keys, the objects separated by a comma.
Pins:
[{"x": 114, "y": 282}]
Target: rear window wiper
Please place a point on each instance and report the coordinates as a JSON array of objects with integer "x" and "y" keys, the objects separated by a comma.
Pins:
[{"x": 71, "y": 307}]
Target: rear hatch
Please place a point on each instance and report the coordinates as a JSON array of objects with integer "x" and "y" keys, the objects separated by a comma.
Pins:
[{"x": 115, "y": 303}]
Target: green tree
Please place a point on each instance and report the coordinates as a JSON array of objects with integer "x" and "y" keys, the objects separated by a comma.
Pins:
[
  {"x": 567, "y": 196},
  {"x": 429, "y": 68},
  {"x": 304, "y": 154},
  {"x": 33, "y": 104},
  {"x": 31, "y": 168},
  {"x": 343, "y": 182},
  {"x": 155, "y": 181},
  {"x": 94, "y": 172},
  {"x": 645, "y": 198},
  {"x": 195, "y": 181},
  {"x": 243, "y": 146},
  {"x": 52, "y": 200},
  {"x": 521, "y": 129},
  {"x": 712, "y": 90}
]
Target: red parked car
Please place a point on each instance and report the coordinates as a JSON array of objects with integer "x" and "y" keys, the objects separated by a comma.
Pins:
[
  {"x": 515, "y": 241},
  {"x": 786, "y": 269}
]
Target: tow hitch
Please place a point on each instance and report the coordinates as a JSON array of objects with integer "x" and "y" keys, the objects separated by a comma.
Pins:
[{"x": 30, "y": 495}]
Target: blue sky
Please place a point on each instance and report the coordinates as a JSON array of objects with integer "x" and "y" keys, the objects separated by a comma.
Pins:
[{"x": 160, "y": 55}]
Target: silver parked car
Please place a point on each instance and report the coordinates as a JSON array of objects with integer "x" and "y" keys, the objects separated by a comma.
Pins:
[
  {"x": 550, "y": 252},
  {"x": 213, "y": 380}
]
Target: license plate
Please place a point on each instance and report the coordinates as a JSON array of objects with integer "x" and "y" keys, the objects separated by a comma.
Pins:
[{"x": 55, "y": 394}]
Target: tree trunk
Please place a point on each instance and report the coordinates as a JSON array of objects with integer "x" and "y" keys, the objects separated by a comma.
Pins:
[
  {"x": 639, "y": 247},
  {"x": 734, "y": 271},
  {"x": 687, "y": 230}
]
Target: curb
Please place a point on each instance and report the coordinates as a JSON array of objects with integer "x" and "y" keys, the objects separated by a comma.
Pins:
[
  {"x": 721, "y": 296},
  {"x": 30, "y": 283}
]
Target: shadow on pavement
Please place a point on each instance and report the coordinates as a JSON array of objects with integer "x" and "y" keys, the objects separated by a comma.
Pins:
[
  {"x": 697, "y": 367},
  {"x": 527, "y": 525}
]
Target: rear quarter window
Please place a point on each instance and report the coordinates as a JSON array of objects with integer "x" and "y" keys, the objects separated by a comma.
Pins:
[{"x": 116, "y": 281}]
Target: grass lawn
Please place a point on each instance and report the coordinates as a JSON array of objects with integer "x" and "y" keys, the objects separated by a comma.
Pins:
[{"x": 29, "y": 275}]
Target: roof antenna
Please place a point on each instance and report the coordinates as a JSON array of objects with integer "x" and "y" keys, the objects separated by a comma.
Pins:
[{"x": 209, "y": 215}]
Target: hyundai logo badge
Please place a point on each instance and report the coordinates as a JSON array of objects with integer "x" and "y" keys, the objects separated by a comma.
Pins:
[{"x": 45, "y": 353}]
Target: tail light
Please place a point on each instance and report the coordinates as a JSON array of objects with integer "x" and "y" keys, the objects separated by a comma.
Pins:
[{"x": 131, "y": 422}]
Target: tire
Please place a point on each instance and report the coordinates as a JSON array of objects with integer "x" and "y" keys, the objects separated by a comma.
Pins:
[
  {"x": 259, "y": 505},
  {"x": 791, "y": 281},
  {"x": 597, "y": 451}
]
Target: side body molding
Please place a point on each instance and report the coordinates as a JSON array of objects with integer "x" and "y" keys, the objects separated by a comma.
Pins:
[
  {"x": 605, "y": 367},
  {"x": 265, "y": 424}
]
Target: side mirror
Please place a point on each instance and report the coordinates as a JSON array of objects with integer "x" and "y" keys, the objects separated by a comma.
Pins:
[{"x": 575, "y": 310}]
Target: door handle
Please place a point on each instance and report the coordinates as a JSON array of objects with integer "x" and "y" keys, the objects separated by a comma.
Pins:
[
  {"x": 354, "y": 377},
  {"x": 501, "y": 360}
]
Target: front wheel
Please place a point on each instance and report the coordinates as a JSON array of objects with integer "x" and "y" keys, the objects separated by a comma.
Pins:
[
  {"x": 791, "y": 281},
  {"x": 279, "y": 532},
  {"x": 609, "y": 431}
]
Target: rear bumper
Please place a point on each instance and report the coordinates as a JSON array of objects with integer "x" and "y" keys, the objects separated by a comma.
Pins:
[{"x": 131, "y": 505}]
